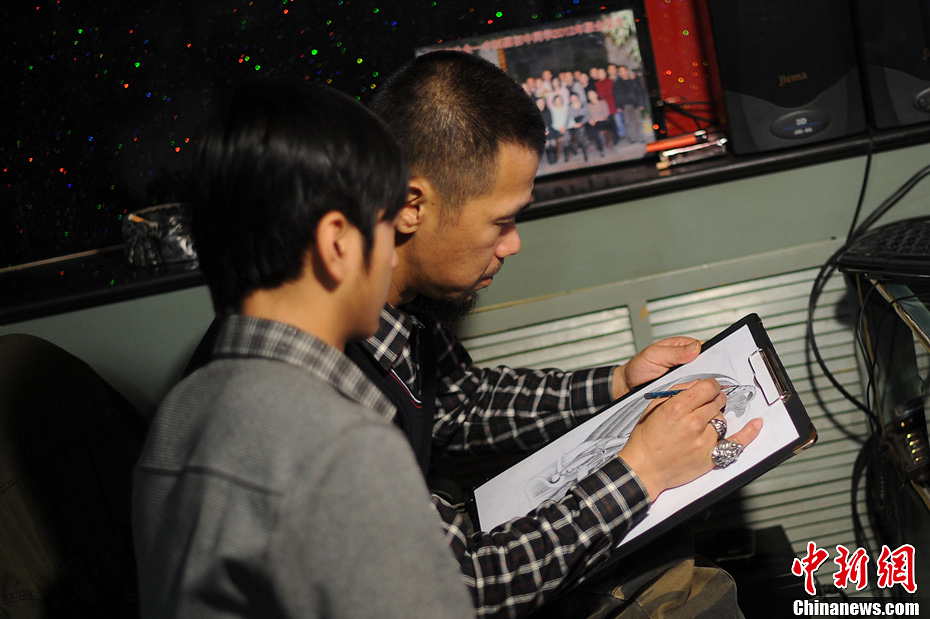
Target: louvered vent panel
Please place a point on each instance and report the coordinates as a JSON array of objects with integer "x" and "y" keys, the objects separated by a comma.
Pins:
[
  {"x": 596, "y": 338},
  {"x": 809, "y": 494}
]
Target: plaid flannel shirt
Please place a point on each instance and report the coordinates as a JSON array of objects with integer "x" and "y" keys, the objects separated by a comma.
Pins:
[{"x": 520, "y": 564}]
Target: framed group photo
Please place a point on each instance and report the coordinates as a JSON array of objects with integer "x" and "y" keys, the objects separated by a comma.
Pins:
[{"x": 589, "y": 80}]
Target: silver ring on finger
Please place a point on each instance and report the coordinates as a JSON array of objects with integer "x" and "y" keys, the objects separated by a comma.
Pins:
[
  {"x": 720, "y": 426},
  {"x": 725, "y": 453}
]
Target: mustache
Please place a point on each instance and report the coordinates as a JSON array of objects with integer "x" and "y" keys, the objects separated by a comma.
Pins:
[{"x": 492, "y": 272}]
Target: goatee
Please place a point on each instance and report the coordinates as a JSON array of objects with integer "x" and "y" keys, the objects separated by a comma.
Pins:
[{"x": 448, "y": 312}]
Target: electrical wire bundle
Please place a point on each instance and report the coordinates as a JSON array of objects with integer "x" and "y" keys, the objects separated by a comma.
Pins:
[{"x": 867, "y": 462}]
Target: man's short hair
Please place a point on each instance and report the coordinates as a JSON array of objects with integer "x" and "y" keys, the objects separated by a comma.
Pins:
[
  {"x": 451, "y": 111},
  {"x": 277, "y": 157}
]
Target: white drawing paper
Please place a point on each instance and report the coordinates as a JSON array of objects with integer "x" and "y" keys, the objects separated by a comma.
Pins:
[{"x": 548, "y": 474}]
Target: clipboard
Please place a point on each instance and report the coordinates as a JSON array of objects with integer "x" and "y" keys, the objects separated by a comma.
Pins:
[{"x": 774, "y": 386}]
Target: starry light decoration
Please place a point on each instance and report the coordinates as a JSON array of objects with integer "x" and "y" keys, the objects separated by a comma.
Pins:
[
  {"x": 107, "y": 97},
  {"x": 682, "y": 62}
]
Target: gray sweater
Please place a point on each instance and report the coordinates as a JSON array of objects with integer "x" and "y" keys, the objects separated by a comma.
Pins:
[{"x": 266, "y": 491}]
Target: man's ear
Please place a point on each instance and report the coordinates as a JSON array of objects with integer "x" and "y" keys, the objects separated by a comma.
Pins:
[
  {"x": 333, "y": 248},
  {"x": 421, "y": 199}
]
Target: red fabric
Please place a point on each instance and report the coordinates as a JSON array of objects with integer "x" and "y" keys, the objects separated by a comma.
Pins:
[{"x": 605, "y": 89}]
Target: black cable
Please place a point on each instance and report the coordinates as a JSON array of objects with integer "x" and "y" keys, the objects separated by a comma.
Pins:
[
  {"x": 819, "y": 283},
  {"x": 869, "y": 460},
  {"x": 859, "y": 467},
  {"x": 868, "y": 359},
  {"x": 862, "y": 190},
  {"x": 869, "y": 456},
  {"x": 830, "y": 266},
  {"x": 893, "y": 199},
  {"x": 684, "y": 112}
]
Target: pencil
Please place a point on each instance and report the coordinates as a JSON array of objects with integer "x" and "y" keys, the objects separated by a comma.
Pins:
[{"x": 662, "y": 394}]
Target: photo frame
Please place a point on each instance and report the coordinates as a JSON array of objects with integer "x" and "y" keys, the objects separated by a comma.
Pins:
[{"x": 592, "y": 79}]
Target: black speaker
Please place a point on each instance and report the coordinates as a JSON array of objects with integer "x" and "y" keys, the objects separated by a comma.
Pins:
[
  {"x": 895, "y": 45},
  {"x": 788, "y": 71}
]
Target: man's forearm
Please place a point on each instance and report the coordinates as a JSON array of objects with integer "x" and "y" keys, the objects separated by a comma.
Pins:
[
  {"x": 518, "y": 566},
  {"x": 515, "y": 410}
]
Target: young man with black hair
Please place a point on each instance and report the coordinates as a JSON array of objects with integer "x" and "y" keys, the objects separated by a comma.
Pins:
[
  {"x": 473, "y": 140},
  {"x": 272, "y": 483}
]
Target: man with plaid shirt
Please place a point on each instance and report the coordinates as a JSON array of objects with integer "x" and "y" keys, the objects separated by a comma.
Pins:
[{"x": 472, "y": 139}]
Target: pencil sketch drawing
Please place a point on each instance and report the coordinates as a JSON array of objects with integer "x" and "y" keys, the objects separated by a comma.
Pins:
[{"x": 611, "y": 435}]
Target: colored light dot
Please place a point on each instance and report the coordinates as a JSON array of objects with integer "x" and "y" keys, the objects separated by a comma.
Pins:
[
  {"x": 113, "y": 281},
  {"x": 126, "y": 85},
  {"x": 67, "y": 233},
  {"x": 686, "y": 32},
  {"x": 499, "y": 14},
  {"x": 655, "y": 127},
  {"x": 359, "y": 61},
  {"x": 285, "y": 11},
  {"x": 490, "y": 21},
  {"x": 373, "y": 86},
  {"x": 80, "y": 31},
  {"x": 62, "y": 170},
  {"x": 148, "y": 95},
  {"x": 29, "y": 67},
  {"x": 376, "y": 11},
  {"x": 534, "y": 16},
  {"x": 90, "y": 138},
  {"x": 375, "y": 73},
  {"x": 314, "y": 52},
  {"x": 187, "y": 140},
  {"x": 137, "y": 64},
  {"x": 29, "y": 160},
  {"x": 668, "y": 72},
  {"x": 247, "y": 58},
  {"x": 177, "y": 149},
  {"x": 258, "y": 67},
  {"x": 240, "y": 61},
  {"x": 681, "y": 80},
  {"x": 99, "y": 207}
]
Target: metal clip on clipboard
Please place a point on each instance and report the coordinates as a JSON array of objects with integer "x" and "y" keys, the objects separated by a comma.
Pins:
[
  {"x": 776, "y": 388},
  {"x": 773, "y": 390}
]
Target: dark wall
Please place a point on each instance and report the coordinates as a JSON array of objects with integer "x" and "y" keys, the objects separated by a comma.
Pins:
[{"x": 104, "y": 99}]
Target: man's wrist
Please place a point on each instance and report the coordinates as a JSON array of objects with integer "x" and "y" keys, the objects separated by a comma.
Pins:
[
  {"x": 618, "y": 385},
  {"x": 640, "y": 472}
]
